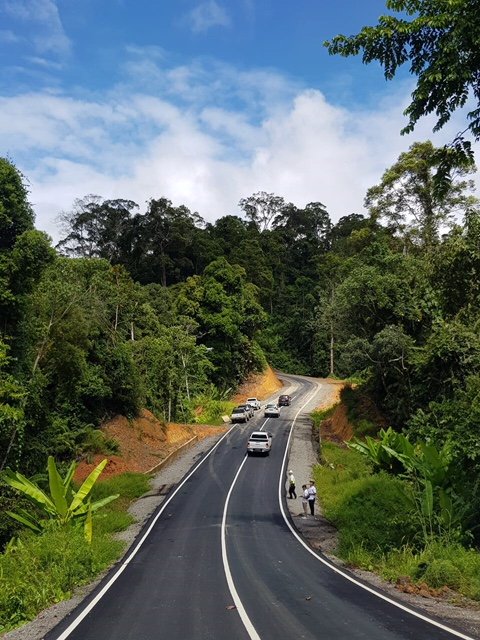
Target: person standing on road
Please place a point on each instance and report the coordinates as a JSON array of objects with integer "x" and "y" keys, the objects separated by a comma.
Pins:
[
  {"x": 291, "y": 485},
  {"x": 305, "y": 500},
  {"x": 312, "y": 493}
]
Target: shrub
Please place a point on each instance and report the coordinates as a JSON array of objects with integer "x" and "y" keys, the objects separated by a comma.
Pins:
[
  {"x": 372, "y": 512},
  {"x": 376, "y": 514},
  {"x": 441, "y": 573}
]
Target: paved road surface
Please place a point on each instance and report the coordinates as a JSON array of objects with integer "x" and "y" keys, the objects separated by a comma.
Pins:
[{"x": 219, "y": 561}]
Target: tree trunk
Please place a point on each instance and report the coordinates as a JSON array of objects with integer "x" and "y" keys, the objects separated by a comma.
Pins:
[{"x": 332, "y": 373}]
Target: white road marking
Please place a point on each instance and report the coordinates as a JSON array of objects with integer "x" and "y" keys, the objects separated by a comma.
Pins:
[
  {"x": 228, "y": 574},
  {"x": 74, "y": 624},
  {"x": 331, "y": 566}
]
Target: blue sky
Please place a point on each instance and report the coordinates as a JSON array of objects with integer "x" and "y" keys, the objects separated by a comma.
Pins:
[{"x": 201, "y": 101}]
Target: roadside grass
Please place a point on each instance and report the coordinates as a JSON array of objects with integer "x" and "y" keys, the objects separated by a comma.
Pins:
[
  {"x": 379, "y": 528},
  {"x": 37, "y": 571},
  {"x": 212, "y": 410},
  {"x": 438, "y": 564}
]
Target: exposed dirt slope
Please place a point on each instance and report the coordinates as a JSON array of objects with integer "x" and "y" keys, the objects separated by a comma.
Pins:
[
  {"x": 337, "y": 428},
  {"x": 259, "y": 386},
  {"x": 145, "y": 441}
]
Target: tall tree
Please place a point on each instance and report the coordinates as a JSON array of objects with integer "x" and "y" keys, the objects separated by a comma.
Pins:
[
  {"x": 167, "y": 234},
  {"x": 406, "y": 196},
  {"x": 441, "y": 41},
  {"x": 16, "y": 214},
  {"x": 97, "y": 228},
  {"x": 262, "y": 208}
]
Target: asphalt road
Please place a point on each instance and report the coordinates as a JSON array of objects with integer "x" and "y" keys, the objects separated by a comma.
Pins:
[{"x": 219, "y": 560}]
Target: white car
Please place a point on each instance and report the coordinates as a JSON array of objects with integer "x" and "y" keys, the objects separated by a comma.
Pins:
[
  {"x": 239, "y": 414},
  {"x": 259, "y": 442},
  {"x": 253, "y": 402},
  {"x": 271, "y": 411}
]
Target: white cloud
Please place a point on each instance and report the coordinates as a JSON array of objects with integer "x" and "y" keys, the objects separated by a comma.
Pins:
[
  {"x": 8, "y": 36},
  {"x": 141, "y": 145},
  {"x": 207, "y": 15},
  {"x": 50, "y": 36}
]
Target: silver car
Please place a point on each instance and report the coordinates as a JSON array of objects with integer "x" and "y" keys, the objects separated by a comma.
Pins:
[{"x": 271, "y": 411}]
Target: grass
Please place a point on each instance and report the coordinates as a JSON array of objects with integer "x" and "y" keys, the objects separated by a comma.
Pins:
[
  {"x": 37, "y": 571},
  {"x": 379, "y": 528},
  {"x": 212, "y": 410},
  {"x": 356, "y": 501}
]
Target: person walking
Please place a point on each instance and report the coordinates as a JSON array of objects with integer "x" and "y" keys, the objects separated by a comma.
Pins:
[
  {"x": 312, "y": 493},
  {"x": 305, "y": 500},
  {"x": 291, "y": 485}
]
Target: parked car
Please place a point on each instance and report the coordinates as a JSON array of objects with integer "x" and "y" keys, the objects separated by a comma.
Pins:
[
  {"x": 249, "y": 409},
  {"x": 284, "y": 400},
  {"x": 254, "y": 402},
  {"x": 271, "y": 411},
  {"x": 240, "y": 414},
  {"x": 259, "y": 442}
]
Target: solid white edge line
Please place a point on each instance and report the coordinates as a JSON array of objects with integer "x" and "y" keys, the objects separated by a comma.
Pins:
[
  {"x": 458, "y": 634},
  {"x": 125, "y": 562}
]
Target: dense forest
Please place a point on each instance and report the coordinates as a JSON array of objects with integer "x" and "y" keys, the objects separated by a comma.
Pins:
[{"x": 151, "y": 308}]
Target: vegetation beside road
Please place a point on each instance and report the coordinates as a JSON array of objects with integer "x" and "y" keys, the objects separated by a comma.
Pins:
[
  {"x": 37, "y": 571},
  {"x": 381, "y": 519}
]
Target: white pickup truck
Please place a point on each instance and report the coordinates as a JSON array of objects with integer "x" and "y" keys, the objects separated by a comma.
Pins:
[
  {"x": 254, "y": 402},
  {"x": 259, "y": 442}
]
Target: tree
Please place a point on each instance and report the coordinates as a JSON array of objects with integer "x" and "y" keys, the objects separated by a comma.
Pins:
[
  {"x": 225, "y": 307},
  {"x": 100, "y": 229},
  {"x": 167, "y": 234},
  {"x": 407, "y": 198},
  {"x": 262, "y": 208},
  {"x": 16, "y": 214},
  {"x": 441, "y": 41}
]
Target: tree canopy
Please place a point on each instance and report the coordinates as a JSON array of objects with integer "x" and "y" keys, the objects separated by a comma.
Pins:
[{"x": 440, "y": 40}]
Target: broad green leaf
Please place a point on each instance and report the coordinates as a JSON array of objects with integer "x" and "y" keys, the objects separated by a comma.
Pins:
[
  {"x": 88, "y": 527},
  {"x": 68, "y": 478},
  {"x": 82, "y": 509},
  {"x": 21, "y": 483},
  {"x": 427, "y": 500},
  {"x": 25, "y": 521},
  {"x": 56, "y": 487},
  {"x": 87, "y": 486}
]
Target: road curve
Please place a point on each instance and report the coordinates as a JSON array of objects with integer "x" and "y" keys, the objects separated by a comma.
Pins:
[{"x": 265, "y": 584}]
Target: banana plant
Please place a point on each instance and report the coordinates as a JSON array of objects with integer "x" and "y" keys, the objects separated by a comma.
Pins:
[{"x": 62, "y": 505}]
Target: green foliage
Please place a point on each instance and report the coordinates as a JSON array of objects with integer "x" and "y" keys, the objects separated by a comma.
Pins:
[
  {"x": 210, "y": 406},
  {"x": 440, "y": 43},
  {"x": 39, "y": 571},
  {"x": 319, "y": 415},
  {"x": 441, "y": 509},
  {"x": 438, "y": 565},
  {"x": 62, "y": 505},
  {"x": 356, "y": 502},
  {"x": 36, "y": 571},
  {"x": 408, "y": 200},
  {"x": 16, "y": 214},
  {"x": 95, "y": 441}
]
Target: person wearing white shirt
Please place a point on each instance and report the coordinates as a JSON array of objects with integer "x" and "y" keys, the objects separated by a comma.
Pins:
[
  {"x": 291, "y": 485},
  {"x": 312, "y": 493}
]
